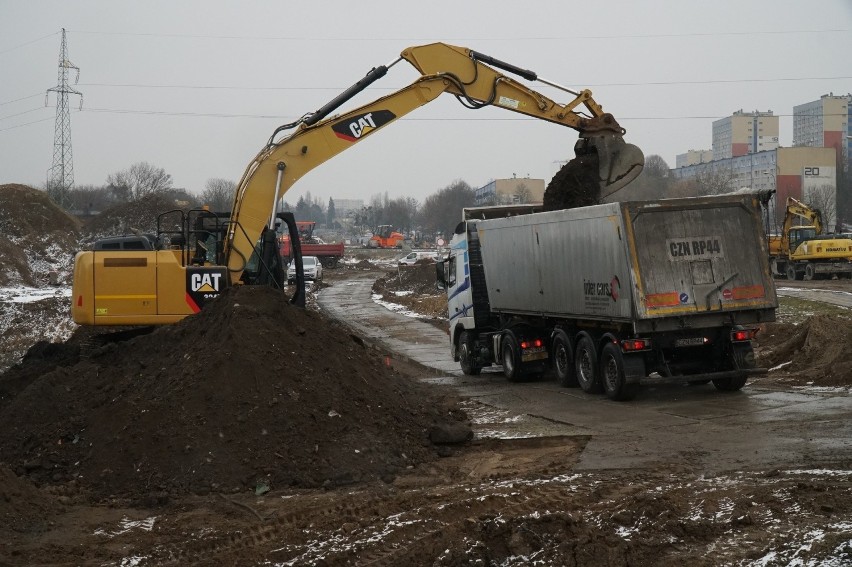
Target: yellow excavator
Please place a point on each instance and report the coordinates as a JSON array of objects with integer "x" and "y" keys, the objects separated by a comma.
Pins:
[
  {"x": 805, "y": 252},
  {"x": 161, "y": 278}
]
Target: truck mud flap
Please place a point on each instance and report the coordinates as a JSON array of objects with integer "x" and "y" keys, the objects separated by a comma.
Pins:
[{"x": 683, "y": 379}]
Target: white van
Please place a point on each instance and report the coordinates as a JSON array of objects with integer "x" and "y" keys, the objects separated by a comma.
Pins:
[{"x": 411, "y": 258}]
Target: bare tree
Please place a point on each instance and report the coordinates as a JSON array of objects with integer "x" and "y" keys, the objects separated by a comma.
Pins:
[
  {"x": 219, "y": 194},
  {"x": 824, "y": 199},
  {"x": 140, "y": 179},
  {"x": 715, "y": 181},
  {"x": 442, "y": 211},
  {"x": 523, "y": 193},
  {"x": 656, "y": 166}
]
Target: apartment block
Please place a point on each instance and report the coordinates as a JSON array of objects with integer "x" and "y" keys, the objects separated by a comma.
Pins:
[
  {"x": 516, "y": 190},
  {"x": 693, "y": 157},
  {"x": 826, "y": 123},
  {"x": 807, "y": 174},
  {"x": 744, "y": 133}
]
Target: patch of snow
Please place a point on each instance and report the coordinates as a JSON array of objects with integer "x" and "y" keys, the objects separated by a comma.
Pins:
[
  {"x": 24, "y": 294},
  {"x": 397, "y": 308},
  {"x": 127, "y": 525}
]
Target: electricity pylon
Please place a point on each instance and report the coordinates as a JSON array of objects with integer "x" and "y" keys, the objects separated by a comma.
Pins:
[{"x": 61, "y": 177}]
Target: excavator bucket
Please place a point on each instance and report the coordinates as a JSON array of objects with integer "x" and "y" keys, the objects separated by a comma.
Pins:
[
  {"x": 619, "y": 163},
  {"x": 604, "y": 164}
]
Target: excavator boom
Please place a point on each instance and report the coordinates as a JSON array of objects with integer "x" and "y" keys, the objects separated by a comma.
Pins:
[{"x": 468, "y": 75}]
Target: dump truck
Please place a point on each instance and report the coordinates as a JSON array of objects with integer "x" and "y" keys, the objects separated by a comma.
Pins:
[
  {"x": 329, "y": 254},
  {"x": 611, "y": 296}
]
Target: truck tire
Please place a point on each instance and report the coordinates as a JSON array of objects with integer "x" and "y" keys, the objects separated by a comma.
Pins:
[
  {"x": 511, "y": 357},
  {"x": 329, "y": 262},
  {"x": 466, "y": 357},
  {"x": 741, "y": 358},
  {"x": 586, "y": 366},
  {"x": 730, "y": 384},
  {"x": 563, "y": 361},
  {"x": 612, "y": 375}
]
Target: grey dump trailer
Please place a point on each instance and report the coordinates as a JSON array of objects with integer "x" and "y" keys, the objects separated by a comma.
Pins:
[{"x": 613, "y": 295}]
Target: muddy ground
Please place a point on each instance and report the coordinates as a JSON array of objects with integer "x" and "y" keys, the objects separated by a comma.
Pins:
[
  {"x": 257, "y": 434},
  {"x": 201, "y": 444}
]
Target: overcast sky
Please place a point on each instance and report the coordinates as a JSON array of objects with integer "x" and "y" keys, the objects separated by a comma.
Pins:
[{"x": 197, "y": 87}]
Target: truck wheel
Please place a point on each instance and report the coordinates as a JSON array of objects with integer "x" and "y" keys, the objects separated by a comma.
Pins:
[
  {"x": 612, "y": 375},
  {"x": 563, "y": 361},
  {"x": 741, "y": 357},
  {"x": 511, "y": 358},
  {"x": 466, "y": 357},
  {"x": 586, "y": 366},
  {"x": 792, "y": 274},
  {"x": 810, "y": 274}
]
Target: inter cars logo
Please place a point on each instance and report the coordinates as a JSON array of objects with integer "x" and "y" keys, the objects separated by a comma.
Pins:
[
  {"x": 360, "y": 125},
  {"x": 602, "y": 289}
]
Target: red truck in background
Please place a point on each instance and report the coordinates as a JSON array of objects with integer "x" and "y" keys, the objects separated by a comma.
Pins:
[{"x": 328, "y": 254}]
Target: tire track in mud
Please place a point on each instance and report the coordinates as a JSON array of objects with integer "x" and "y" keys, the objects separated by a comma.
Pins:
[{"x": 625, "y": 516}]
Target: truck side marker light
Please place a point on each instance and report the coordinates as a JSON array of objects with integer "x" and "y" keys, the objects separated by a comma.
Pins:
[
  {"x": 743, "y": 335},
  {"x": 631, "y": 345}
]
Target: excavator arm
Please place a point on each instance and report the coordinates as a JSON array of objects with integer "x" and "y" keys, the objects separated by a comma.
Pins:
[
  {"x": 467, "y": 74},
  {"x": 797, "y": 209}
]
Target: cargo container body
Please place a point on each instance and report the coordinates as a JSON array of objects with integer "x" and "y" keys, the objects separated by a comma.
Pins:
[{"x": 612, "y": 295}]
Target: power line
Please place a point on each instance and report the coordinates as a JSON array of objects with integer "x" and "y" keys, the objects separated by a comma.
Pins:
[
  {"x": 21, "y": 113},
  {"x": 27, "y": 43},
  {"x": 20, "y": 99},
  {"x": 648, "y": 83},
  {"x": 25, "y": 124},
  {"x": 749, "y": 33}
]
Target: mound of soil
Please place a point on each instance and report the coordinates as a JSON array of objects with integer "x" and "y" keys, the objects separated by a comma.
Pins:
[
  {"x": 140, "y": 214},
  {"x": 249, "y": 394},
  {"x": 36, "y": 236},
  {"x": 23, "y": 507},
  {"x": 577, "y": 184},
  {"x": 417, "y": 283},
  {"x": 818, "y": 349},
  {"x": 27, "y": 212}
]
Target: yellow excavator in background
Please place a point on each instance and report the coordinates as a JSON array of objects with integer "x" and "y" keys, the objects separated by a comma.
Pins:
[
  {"x": 805, "y": 252},
  {"x": 159, "y": 279}
]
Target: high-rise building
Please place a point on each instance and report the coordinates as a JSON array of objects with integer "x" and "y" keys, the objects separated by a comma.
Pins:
[
  {"x": 825, "y": 123},
  {"x": 744, "y": 133}
]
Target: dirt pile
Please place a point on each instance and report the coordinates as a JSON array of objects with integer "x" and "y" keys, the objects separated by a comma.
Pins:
[
  {"x": 577, "y": 184},
  {"x": 414, "y": 287},
  {"x": 36, "y": 236},
  {"x": 123, "y": 218},
  {"x": 817, "y": 349},
  {"x": 250, "y": 394}
]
